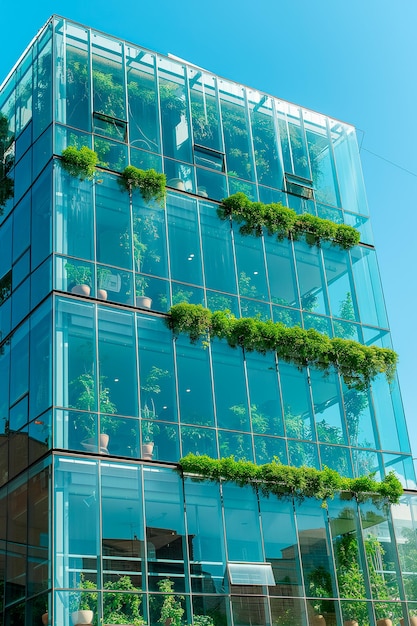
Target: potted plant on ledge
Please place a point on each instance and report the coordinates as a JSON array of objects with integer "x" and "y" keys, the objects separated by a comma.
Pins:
[
  {"x": 142, "y": 301},
  {"x": 150, "y": 429},
  {"x": 84, "y": 386},
  {"x": 78, "y": 278},
  {"x": 83, "y": 604}
]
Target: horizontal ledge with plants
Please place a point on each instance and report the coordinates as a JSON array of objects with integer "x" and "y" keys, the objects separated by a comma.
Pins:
[
  {"x": 286, "y": 480},
  {"x": 82, "y": 163},
  {"x": 277, "y": 219},
  {"x": 357, "y": 363}
]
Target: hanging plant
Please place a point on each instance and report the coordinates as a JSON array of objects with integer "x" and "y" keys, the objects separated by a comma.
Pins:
[
  {"x": 276, "y": 219},
  {"x": 285, "y": 480},
  {"x": 357, "y": 363},
  {"x": 150, "y": 183},
  {"x": 80, "y": 162}
]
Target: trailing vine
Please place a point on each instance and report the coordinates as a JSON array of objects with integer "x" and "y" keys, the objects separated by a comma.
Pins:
[
  {"x": 279, "y": 220},
  {"x": 357, "y": 363},
  {"x": 285, "y": 480}
]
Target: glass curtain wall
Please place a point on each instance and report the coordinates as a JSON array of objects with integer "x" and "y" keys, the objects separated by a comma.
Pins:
[{"x": 322, "y": 563}]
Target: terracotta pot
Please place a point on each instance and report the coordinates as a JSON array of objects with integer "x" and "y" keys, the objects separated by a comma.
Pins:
[
  {"x": 143, "y": 302},
  {"x": 101, "y": 294},
  {"x": 82, "y": 617},
  {"x": 81, "y": 290},
  {"x": 45, "y": 618},
  {"x": 350, "y": 622},
  {"x": 147, "y": 450},
  {"x": 318, "y": 620},
  {"x": 384, "y": 622},
  {"x": 411, "y": 618},
  {"x": 104, "y": 443}
]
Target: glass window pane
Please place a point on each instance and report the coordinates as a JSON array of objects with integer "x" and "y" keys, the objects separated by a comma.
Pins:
[
  {"x": 281, "y": 548},
  {"x": 143, "y": 100},
  {"x": 113, "y": 224},
  {"x": 174, "y": 110},
  {"x": 117, "y": 362},
  {"x": 238, "y": 146},
  {"x": 265, "y": 404},
  {"x": 316, "y": 557},
  {"x": 340, "y": 284},
  {"x": 74, "y": 218},
  {"x": 327, "y": 407},
  {"x": 205, "y": 529},
  {"x": 230, "y": 388},
  {"x": 242, "y": 523},
  {"x": 76, "y": 498},
  {"x": 368, "y": 287},
  {"x": 281, "y": 272},
  {"x": 122, "y": 522},
  {"x": 268, "y": 165},
  {"x": 108, "y": 83},
  {"x": 165, "y": 534},
  {"x": 311, "y": 278},
  {"x": 219, "y": 267},
  {"x": 149, "y": 238},
  {"x": 204, "y": 110},
  {"x": 194, "y": 383},
  {"x": 297, "y": 402},
  {"x": 76, "y": 109},
  {"x": 184, "y": 240}
]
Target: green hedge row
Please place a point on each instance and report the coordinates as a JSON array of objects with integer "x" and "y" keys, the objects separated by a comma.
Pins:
[
  {"x": 357, "y": 363},
  {"x": 284, "y": 222},
  {"x": 284, "y": 480}
]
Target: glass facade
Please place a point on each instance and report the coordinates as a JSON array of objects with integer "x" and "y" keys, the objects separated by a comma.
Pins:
[{"x": 99, "y": 400}]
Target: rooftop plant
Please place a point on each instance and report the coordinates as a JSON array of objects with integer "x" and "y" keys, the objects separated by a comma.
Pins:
[
  {"x": 357, "y": 363},
  {"x": 80, "y": 162},
  {"x": 150, "y": 183},
  {"x": 284, "y": 480},
  {"x": 276, "y": 219}
]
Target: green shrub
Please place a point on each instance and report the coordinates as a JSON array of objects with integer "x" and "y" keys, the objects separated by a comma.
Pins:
[
  {"x": 150, "y": 183},
  {"x": 80, "y": 162}
]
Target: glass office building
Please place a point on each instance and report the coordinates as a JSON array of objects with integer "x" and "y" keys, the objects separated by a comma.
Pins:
[{"x": 99, "y": 400}]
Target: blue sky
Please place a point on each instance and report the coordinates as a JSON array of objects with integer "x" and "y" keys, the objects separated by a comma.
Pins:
[{"x": 352, "y": 61}]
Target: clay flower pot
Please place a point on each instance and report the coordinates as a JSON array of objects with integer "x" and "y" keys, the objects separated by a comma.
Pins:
[
  {"x": 82, "y": 617},
  {"x": 147, "y": 450},
  {"x": 81, "y": 290}
]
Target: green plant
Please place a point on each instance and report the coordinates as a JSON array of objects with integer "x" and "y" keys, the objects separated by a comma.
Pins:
[
  {"x": 203, "y": 620},
  {"x": 320, "y": 586},
  {"x": 80, "y": 162},
  {"x": 149, "y": 389},
  {"x": 84, "y": 600},
  {"x": 357, "y": 363},
  {"x": 274, "y": 218},
  {"x": 245, "y": 286},
  {"x": 141, "y": 284},
  {"x": 83, "y": 388},
  {"x": 121, "y": 602},
  {"x": 171, "y": 608},
  {"x": 285, "y": 480},
  {"x": 78, "y": 274},
  {"x": 103, "y": 274},
  {"x": 150, "y": 183}
]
